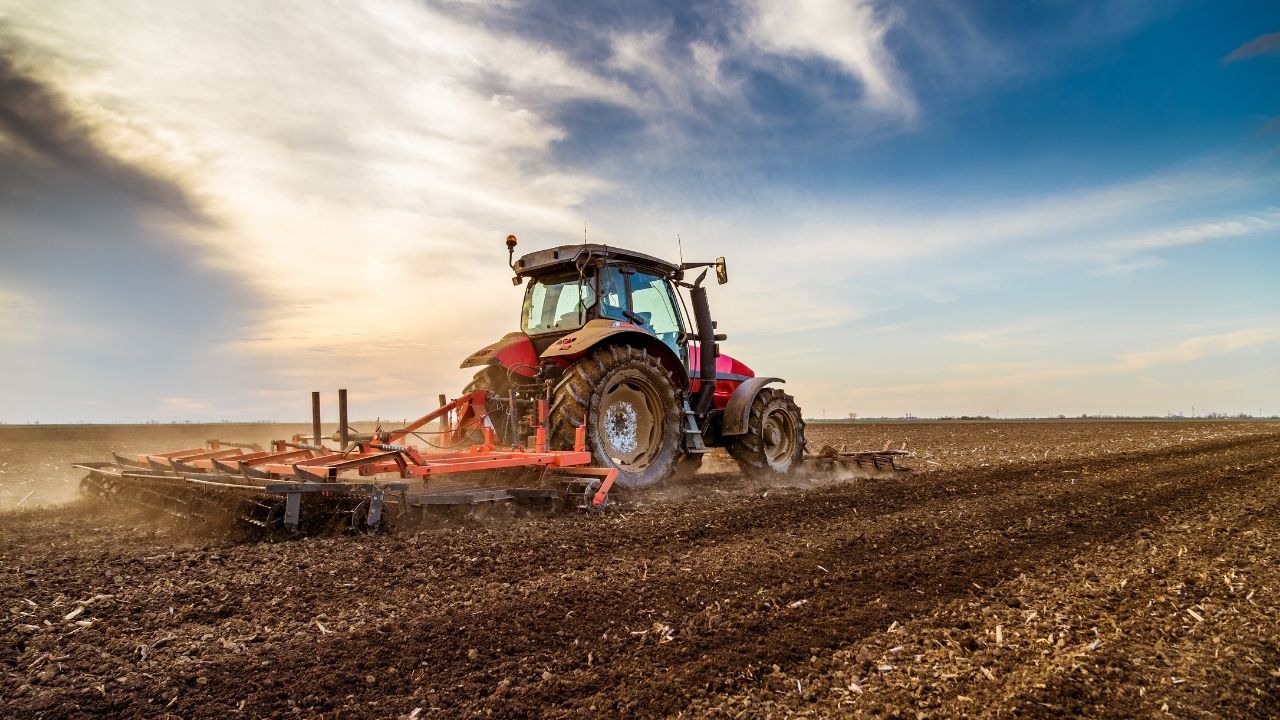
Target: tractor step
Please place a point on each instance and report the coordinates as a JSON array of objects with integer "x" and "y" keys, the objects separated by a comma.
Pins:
[{"x": 693, "y": 443}]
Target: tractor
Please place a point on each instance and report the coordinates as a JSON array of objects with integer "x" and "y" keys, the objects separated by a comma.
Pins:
[
  {"x": 606, "y": 344},
  {"x": 610, "y": 382}
]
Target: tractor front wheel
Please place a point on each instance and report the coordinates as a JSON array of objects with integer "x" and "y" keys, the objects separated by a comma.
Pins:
[
  {"x": 774, "y": 441},
  {"x": 627, "y": 401}
]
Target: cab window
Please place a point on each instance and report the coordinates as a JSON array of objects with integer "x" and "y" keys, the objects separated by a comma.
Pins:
[
  {"x": 651, "y": 299},
  {"x": 613, "y": 294},
  {"x": 556, "y": 303}
]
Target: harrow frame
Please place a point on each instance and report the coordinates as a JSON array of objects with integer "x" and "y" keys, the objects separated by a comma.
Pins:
[{"x": 265, "y": 487}]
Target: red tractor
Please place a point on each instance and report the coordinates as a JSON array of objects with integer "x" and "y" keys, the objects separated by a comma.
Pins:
[{"x": 604, "y": 340}]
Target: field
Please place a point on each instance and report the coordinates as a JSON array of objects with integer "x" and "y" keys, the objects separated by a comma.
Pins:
[{"x": 1049, "y": 569}]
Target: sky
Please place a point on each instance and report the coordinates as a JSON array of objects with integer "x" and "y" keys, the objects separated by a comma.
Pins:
[{"x": 208, "y": 210}]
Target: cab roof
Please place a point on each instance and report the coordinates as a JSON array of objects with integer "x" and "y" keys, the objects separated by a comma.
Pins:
[{"x": 541, "y": 262}]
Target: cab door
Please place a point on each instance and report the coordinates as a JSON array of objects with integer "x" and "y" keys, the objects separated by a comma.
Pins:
[
  {"x": 634, "y": 296},
  {"x": 653, "y": 300}
]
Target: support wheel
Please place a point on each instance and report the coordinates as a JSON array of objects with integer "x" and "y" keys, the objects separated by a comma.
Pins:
[
  {"x": 627, "y": 401},
  {"x": 774, "y": 442},
  {"x": 589, "y": 493}
]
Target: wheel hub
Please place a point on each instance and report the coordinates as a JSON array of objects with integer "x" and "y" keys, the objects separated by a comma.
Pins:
[
  {"x": 630, "y": 424},
  {"x": 774, "y": 435},
  {"x": 778, "y": 435},
  {"x": 620, "y": 425}
]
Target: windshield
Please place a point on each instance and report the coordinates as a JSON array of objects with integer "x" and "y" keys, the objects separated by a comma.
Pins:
[{"x": 556, "y": 303}]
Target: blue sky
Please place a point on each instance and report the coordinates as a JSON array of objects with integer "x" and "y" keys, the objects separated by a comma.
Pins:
[{"x": 962, "y": 208}]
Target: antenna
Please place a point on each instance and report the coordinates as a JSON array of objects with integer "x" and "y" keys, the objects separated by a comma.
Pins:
[
  {"x": 680, "y": 247},
  {"x": 584, "y": 232}
]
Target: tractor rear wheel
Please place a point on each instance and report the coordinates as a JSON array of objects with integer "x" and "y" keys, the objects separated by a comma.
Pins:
[
  {"x": 627, "y": 401},
  {"x": 774, "y": 441}
]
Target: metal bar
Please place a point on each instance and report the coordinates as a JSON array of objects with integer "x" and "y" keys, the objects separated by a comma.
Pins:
[
  {"x": 342, "y": 419},
  {"x": 322, "y": 460},
  {"x": 447, "y": 430},
  {"x": 375, "y": 507},
  {"x": 533, "y": 493},
  {"x": 233, "y": 486},
  {"x": 354, "y": 462},
  {"x": 540, "y": 434},
  {"x": 513, "y": 417},
  {"x": 480, "y": 464},
  {"x": 175, "y": 453},
  {"x": 255, "y": 447},
  {"x": 159, "y": 466},
  {"x": 247, "y": 456},
  {"x": 194, "y": 457},
  {"x": 444, "y": 419},
  {"x": 315, "y": 418},
  {"x": 274, "y": 457},
  {"x": 125, "y": 461},
  {"x": 303, "y": 473},
  {"x": 292, "y": 510},
  {"x": 460, "y": 498},
  {"x": 301, "y": 487}
]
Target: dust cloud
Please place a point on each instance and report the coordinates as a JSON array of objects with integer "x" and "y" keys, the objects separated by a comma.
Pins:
[{"x": 36, "y": 460}]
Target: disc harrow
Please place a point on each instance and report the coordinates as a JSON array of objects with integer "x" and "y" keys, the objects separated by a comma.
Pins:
[
  {"x": 369, "y": 481},
  {"x": 866, "y": 462}
]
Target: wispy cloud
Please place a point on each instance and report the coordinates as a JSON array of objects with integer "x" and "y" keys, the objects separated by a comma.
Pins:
[
  {"x": 825, "y": 263},
  {"x": 1137, "y": 251},
  {"x": 703, "y": 80},
  {"x": 1200, "y": 232},
  {"x": 15, "y": 318},
  {"x": 1097, "y": 224},
  {"x": 1004, "y": 336},
  {"x": 1197, "y": 348},
  {"x": 182, "y": 406},
  {"x": 1261, "y": 45},
  {"x": 851, "y": 35},
  {"x": 682, "y": 80}
]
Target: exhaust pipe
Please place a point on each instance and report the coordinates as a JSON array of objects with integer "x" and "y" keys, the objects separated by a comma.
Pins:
[{"x": 708, "y": 351}]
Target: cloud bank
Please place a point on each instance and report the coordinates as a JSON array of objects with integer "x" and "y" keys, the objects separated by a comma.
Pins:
[{"x": 301, "y": 195}]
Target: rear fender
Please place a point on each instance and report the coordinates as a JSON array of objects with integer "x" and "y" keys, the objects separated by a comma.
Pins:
[
  {"x": 737, "y": 414},
  {"x": 601, "y": 331},
  {"x": 514, "y": 351}
]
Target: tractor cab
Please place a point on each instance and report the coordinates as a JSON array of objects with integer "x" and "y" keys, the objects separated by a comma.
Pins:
[{"x": 626, "y": 288}]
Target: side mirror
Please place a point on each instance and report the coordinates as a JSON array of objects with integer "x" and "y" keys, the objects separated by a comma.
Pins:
[{"x": 722, "y": 271}]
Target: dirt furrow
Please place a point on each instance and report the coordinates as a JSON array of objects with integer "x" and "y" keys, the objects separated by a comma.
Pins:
[
  {"x": 570, "y": 644},
  {"x": 713, "y": 601}
]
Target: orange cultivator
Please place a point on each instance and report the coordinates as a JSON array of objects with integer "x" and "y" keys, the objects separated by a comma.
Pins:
[{"x": 369, "y": 480}]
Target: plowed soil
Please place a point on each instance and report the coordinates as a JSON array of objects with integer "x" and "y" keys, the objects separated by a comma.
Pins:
[{"x": 1023, "y": 570}]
